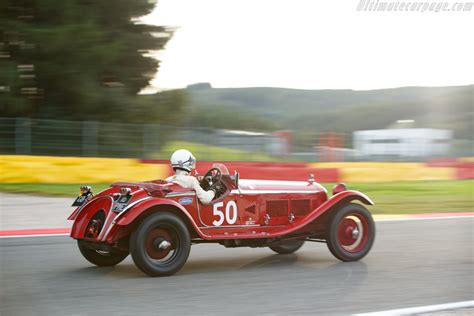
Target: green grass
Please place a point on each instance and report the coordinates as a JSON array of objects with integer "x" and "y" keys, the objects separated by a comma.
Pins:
[
  {"x": 418, "y": 196},
  {"x": 389, "y": 198},
  {"x": 205, "y": 152}
]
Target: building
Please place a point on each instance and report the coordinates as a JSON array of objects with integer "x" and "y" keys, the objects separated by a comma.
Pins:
[
  {"x": 405, "y": 143},
  {"x": 273, "y": 144}
]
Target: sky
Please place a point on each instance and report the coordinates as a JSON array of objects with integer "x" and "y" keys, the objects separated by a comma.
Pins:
[{"x": 311, "y": 44}]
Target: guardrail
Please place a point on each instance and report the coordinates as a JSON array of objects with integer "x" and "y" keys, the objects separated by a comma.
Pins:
[{"x": 25, "y": 136}]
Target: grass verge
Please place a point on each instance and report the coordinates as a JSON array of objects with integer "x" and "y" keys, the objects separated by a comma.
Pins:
[
  {"x": 205, "y": 152},
  {"x": 418, "y": 196},
  {"x": 390, "y": 198}
]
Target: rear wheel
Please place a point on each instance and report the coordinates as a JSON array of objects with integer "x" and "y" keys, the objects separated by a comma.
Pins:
[
  {"x": 161, "y": 244},
  {"x": 101, "y": 258},
  {"x": 288, "y": 247},
  {"x": 351, "y": 232}
]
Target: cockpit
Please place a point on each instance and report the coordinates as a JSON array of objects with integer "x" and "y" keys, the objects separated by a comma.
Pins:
[{"x": 218, "y": 179}]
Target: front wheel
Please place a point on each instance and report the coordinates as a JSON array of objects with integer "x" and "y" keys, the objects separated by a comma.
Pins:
[
  {"x": 288, "y": 247},
  {"x": 161, "y": 244},
  {"x": 101, "y": 258},
  {"x": 351, "y": 232}
]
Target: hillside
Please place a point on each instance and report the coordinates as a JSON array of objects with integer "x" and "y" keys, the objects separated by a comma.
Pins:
[{"x": 332, "y": 110}]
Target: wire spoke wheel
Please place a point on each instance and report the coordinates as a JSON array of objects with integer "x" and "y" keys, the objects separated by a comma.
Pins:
[
  {"x": 351, "y": 232},
  {"x": 161, "y": 244}
]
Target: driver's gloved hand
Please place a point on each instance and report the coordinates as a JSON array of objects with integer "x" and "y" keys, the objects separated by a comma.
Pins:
[
  {"x": 218, "y": 187},
  {"x": 216, "y": 192}
]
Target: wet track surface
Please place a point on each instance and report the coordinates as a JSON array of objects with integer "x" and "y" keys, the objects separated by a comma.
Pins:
[{"x": 413, "y": 263}]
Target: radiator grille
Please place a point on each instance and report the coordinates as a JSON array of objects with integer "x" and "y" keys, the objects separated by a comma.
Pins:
[
  {"x": 277, "y": 208},
  {"x": 300, "y": 207}
]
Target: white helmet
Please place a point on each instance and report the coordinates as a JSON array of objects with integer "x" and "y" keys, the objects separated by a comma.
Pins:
[{"x": 183, "y": 159}]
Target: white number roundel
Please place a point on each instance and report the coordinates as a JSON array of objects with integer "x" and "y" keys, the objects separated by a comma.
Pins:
[{"x": 230, "y": 213}]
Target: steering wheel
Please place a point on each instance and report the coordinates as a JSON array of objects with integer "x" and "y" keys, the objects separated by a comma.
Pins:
[{"x": 212, "y": 177}]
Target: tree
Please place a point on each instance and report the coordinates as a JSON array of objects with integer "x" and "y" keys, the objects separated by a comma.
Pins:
[{"x": 77, "y": 59}]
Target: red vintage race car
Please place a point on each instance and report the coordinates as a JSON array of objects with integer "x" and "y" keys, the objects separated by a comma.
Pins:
[{"x": 157, "y": 222}]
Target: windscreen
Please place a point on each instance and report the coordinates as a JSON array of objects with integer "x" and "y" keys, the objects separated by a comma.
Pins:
[{"x": 221, "y": 167}]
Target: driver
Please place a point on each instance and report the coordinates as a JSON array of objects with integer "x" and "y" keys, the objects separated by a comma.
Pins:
[{"x": 183, "y": 162}]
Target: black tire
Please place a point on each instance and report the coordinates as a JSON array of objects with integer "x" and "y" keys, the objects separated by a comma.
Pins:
[
  {"x": 101, "y": 258},
  {"x": 339, "y": 235},
  {"x": 287, "y": 247},
  {"x": 145, "y": 240}
]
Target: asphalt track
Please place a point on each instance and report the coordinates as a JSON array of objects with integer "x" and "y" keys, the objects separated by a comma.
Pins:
[
  {"x": 413, "y": 263},
  {"x": 20, "y": 211}
]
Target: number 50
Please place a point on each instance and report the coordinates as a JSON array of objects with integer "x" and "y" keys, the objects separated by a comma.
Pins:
[{"x": 231, "y": 207}]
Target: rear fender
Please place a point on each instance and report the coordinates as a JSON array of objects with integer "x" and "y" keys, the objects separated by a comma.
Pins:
[
  {"x": 83, "y": 215},
  {"x": 139, "y": 211},
  {"x": 75, "y": 214}
]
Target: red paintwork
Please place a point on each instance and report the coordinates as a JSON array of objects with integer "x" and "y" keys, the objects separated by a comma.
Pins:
[
  {"x": 82, "y": 218},
  {"x": 296, "y": 207},
  {"x": 345, "y": 229},
  {"x": 277, "y": 171}
]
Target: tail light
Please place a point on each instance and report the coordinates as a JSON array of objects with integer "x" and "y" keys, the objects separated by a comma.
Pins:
[{"x": 86, "y": 189}]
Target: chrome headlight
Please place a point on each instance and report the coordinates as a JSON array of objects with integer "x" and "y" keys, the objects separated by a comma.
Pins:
[{"x": 338, "y": 188}]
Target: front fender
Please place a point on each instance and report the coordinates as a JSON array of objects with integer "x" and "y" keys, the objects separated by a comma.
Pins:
[
  {"x": 348, "y": 196},
  {"x": 339, "y": 199},
  {"x": 129, "y": 216}
]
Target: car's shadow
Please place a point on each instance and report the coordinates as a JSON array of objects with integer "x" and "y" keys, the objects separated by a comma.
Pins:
[
  {"x": 304, "y": 263},
  {"x": 199, "y": 265}
]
